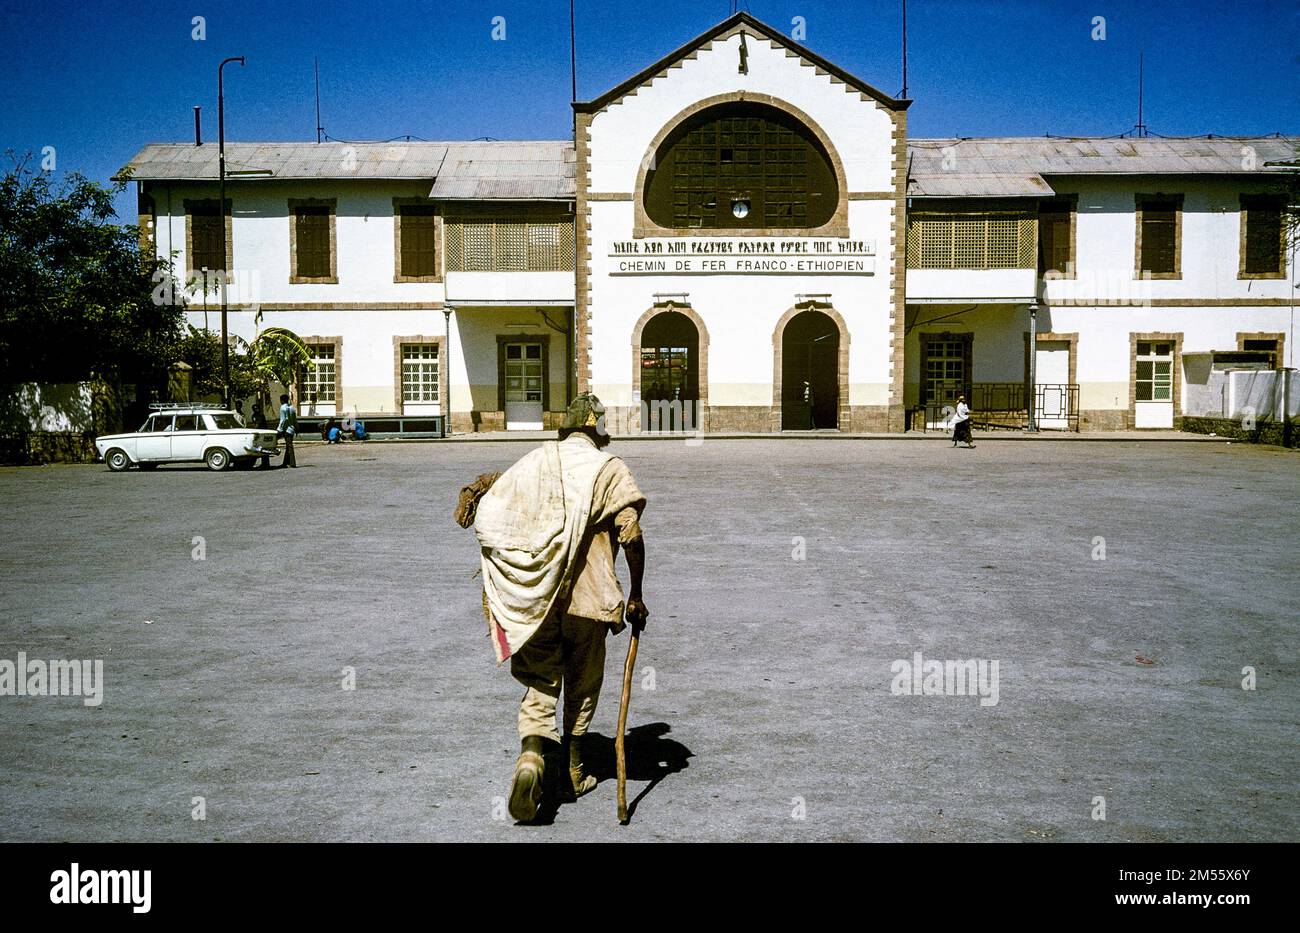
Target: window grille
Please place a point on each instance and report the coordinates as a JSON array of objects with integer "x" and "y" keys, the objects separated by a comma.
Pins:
[
  {"x": 509, "y": 244},
  {"x": 419, "y": 372},
  {"x": 972, "y": 241},
  {"x": 319, "y": 379}
]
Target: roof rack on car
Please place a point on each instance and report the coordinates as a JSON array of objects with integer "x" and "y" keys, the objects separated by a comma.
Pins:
[{"x": 189, "y": 406}]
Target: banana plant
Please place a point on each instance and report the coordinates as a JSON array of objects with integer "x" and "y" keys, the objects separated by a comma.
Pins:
[{"x": 280, "y": 354}]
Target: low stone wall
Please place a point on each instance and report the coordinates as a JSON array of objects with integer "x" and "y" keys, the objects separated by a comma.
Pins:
[
  {"x": 37, "y": 447},
  {"x": 1264, "y": 432}
]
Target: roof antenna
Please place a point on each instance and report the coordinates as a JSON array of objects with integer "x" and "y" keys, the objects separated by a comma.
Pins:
[
  {"x": 573, "y": 55},
  {"x": 319, "y": 129},
  {"x": 1141, "y": 127},
  {"x": 903, "y": 93}
]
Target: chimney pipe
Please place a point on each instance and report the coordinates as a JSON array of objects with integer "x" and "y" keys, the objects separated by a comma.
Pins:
[{"x": 198, "y": 128}]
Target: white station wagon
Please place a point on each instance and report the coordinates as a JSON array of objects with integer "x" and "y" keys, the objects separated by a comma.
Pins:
[{"x": 188, "y": 434}]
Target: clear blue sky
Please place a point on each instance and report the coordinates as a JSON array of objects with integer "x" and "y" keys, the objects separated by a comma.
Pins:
[{"x": 96, "y": 80}]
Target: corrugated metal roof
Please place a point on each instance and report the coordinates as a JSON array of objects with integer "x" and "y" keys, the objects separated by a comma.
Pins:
[
  {"x": 509, "y": 170},
  {"x": 460, "y": 170},
  {"x": 1016, "y": 165},
  {"x": 991, "y": 185},
  {"x": 182, "y": 162}
]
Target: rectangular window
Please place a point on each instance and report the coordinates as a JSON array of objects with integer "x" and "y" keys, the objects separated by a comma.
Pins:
[
  {"x": 313, "y": 233},
  {"x": 1271, "y": 348},
  {"x": 521, "y": 243},
  {"x": 1056, "y": 218},
  {"x": 979, "y": 240},
  {"x": 1261, "y": 239},
  {"x": 419, "y": 372},
  {"x": 417, "y": 255},
  {"x": 945, "y": 375},
  {"x": 1159, "y": 220},
  {"x": 1155, "y": 368},
  {"x": 318, "y": 381},
  {"x": 206, "y": 242}
]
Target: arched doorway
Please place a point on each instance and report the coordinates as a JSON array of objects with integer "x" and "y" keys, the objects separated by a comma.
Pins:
[
  {"x": 669, "y": 370},
  {"x": 810, "y": 372}
]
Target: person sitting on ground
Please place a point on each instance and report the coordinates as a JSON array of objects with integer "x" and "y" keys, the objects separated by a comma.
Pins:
[{"x": 330, "y": 432}]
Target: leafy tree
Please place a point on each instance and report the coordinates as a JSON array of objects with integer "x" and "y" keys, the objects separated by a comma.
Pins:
[
  {"x": 275, "y": 354},
  {"x": 78, "y": 301}
]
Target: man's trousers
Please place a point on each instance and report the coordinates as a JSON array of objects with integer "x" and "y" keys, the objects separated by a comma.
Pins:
[{"x": 566, "y": 653}]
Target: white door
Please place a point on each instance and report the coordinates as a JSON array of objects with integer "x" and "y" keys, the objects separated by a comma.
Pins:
[
  {"x": 1154, "y": 392},
  {"x": 1052, "y": 377},
  {"x": 523, "y": 387},
  {"x": 156, "y": 442},
  {"x": 187, "y": 439}
]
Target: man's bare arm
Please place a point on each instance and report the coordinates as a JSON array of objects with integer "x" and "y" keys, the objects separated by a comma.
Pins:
[{"x": 636, "y": 609}]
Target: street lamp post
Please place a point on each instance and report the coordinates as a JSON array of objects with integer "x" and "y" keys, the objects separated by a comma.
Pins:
[
  {"x": 445, "y": 368},
  {"x": 1033, "y": 367},
  {"x": 221, "y": 223}
]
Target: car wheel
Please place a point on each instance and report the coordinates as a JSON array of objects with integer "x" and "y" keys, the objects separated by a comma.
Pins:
[
  {"x": 218, "y": 458},
  {"x": 117, "y": 460}
]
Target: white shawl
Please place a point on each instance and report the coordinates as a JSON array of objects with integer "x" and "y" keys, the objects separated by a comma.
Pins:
[{"x": 530, "y": 525}]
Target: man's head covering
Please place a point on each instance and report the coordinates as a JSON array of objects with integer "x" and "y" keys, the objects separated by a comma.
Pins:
[{"x": 586, "y": 411}]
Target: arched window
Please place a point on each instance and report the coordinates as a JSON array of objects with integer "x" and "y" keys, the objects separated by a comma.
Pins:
[{"x": 741, "y": 166}]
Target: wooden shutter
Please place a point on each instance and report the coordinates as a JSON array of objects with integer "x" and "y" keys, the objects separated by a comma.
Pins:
[
  {"x": 1159, "y": 236},
  {"x": 313, "y": 242},
  {"x": 418, "y": 248},
  {"x": 1054, "y": 223},
  {"x": 205, "y": 237},
  {"x": 1263, "y": 235}
]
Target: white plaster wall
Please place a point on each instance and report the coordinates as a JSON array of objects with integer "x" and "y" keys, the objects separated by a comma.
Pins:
[
  {"x": 741, "y": 313},
  {"x": 1103, "y": 356},
  {"x": 474, "y": 334},
  {"x": 260, "y": 239},
  {"x": 861, "y": 131},
  {"x": 510, "y": 286},
  {"x": 367, "y": 353},
  {"x": 1211, "y": 237},
  {"x": 972, "y": 284},
  {"x": 741, "y": 310},
  {"x": 1103, "y": 350}
]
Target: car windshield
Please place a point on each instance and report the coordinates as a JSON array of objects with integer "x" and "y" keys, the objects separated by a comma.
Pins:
[{"x": 226, "y": 420}]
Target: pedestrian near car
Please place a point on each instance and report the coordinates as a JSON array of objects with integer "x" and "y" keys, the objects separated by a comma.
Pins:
[{"x": 287, "y": 428}]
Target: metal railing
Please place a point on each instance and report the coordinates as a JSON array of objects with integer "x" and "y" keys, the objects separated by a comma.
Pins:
[{"x": 1001, "y": 405}]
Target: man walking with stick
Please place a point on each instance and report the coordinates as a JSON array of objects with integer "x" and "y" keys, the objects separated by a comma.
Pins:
[{"x": 549, "y": 529}]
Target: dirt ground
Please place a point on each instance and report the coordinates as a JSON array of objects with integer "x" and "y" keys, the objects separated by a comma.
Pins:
[{"x": 787, "y": 582}]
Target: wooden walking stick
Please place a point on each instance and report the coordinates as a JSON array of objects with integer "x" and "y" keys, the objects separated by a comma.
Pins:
[{"x": 620, "y": 757}]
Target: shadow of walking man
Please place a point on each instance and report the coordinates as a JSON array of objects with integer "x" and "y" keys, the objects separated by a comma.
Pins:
[{"x": 650, "y": 757}]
